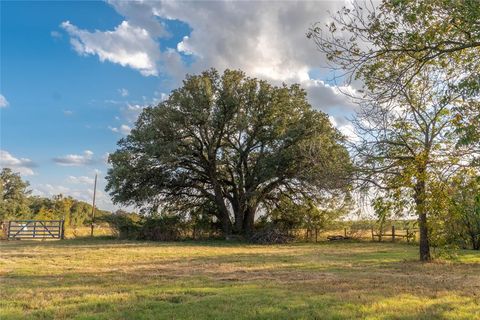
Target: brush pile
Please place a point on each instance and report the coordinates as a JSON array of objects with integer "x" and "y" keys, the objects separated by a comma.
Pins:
[{"x": 271, "y": 236}]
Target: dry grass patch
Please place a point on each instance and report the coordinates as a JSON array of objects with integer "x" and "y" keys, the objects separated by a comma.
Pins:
[{"x": 107, "y": 279}]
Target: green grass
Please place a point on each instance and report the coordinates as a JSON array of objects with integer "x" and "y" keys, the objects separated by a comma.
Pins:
[{"x": 107, "y": 279}]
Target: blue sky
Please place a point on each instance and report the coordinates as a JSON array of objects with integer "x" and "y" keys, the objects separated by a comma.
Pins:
[{"x": 75, "y": 75}]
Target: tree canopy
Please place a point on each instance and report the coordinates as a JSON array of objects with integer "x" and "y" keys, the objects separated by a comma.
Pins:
[
  {"x": 229, "y": 144},
  {"x": 13, "y": 194}
]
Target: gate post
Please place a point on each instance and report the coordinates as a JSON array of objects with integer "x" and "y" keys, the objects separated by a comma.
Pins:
[{"x": 62, "y": 229}]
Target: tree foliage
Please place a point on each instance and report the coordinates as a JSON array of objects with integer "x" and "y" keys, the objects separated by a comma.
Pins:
[
  {"x": 464, "y": 208},
  {"x": 14, "y": 194},
  {"x": 228, "y": 144},
  {"x": 387, "y": 46},
  {"x": 363, "y": 39}
]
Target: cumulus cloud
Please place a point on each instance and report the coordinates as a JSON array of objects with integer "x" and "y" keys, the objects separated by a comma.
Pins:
[
  {"x": 75, "y": 159},
  {"x": 266, "y": 39},
  {"x": 81, "y": 180},
  {"x": 127, "y": 45},
  {"x": 183, "y": 46},
  {"x": 3, "y": 101},
  {"x": 123, "y": 129},
  {"x": 263, "y": 38},
  {"x": 22, "y": 165},
  {"x": 80, "y": 193},
  {"x": 48, "y": 190}
]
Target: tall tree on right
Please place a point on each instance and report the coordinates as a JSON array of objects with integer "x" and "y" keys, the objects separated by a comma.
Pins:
[
  {"x": 408, "y": 144},
  {"x": 418, "y": 65}
]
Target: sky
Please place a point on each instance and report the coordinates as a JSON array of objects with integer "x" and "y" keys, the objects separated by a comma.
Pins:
[{"x": 74, "y": 76}]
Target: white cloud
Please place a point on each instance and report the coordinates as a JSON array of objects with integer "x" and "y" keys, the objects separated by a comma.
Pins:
[
  {"x": 68, "y": 112},
  {"x": 123, "y": 129},
  {"x": 78, "y": 187},
  {"x": 48, "y": 190},
  {"x": 22, "y": 165},
  {"x": 75, "y": 159},
  {"x": 183, "y": 46},
  {"x": 3, "y": 101},
  {"x": 263, "y": 38},
  {"x": 126, "y": 45},
  {"x": 123, "y": 92},
  {"x": 83, "y": 194},
  {"x": 56, "y": 35},
  {"x": 266, "y": 39},
  {"x": 81, "y": 180}
]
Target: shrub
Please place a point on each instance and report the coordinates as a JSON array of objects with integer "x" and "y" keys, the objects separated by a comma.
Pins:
[
  {"x": 164, "y": 228},
  {"x": 124, "y": 225}
]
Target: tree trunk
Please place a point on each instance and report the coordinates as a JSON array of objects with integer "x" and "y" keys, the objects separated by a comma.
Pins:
[
  {"x": 226, "y": 225},
  {"x": 420, "y": 195},
  {"x": 475, "y": 241},
  {"x": 238, "y": 216},
  {"x": 222, "y": 208},
  {"x": 248, "y": 220}
]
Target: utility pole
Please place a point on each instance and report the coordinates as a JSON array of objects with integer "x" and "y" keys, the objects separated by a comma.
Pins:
[{"x": 93, "y": 205}]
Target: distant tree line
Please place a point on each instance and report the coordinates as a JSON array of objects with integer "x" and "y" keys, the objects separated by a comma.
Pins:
[{"x": 17, "y": 202}]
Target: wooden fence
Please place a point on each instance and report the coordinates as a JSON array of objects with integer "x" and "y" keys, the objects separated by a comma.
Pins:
[
  {"x": 406, "y": 234},
  {"x": 35, "y": 229},
  {"x": 392, "y": 233}
]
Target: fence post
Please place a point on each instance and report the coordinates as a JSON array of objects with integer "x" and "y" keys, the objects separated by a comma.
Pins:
[
  {"x": 62, "y": 230},
  {"x": 373, "y": 237},
  {"x": 316, "y": 234},
  {"x": 8, "y": 231},
  {"x": 34, "y": 228},
  {"x": 345, "y": 232},
  {"x": 393, "y": 233}
]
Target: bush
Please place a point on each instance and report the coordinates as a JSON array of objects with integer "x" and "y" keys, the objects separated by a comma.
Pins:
[
  {"x": 164, "y": 228},
  {"x": 124, "y": 225}
]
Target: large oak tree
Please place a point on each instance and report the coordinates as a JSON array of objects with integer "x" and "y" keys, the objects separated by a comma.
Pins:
[{"x": 228, "y": 144}]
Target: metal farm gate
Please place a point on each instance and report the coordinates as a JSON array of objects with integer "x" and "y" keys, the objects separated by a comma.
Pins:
[{"x": 35, "y": 229}]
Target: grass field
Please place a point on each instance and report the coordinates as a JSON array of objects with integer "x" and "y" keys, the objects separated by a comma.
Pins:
[{"x": 107, "y": 279}]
